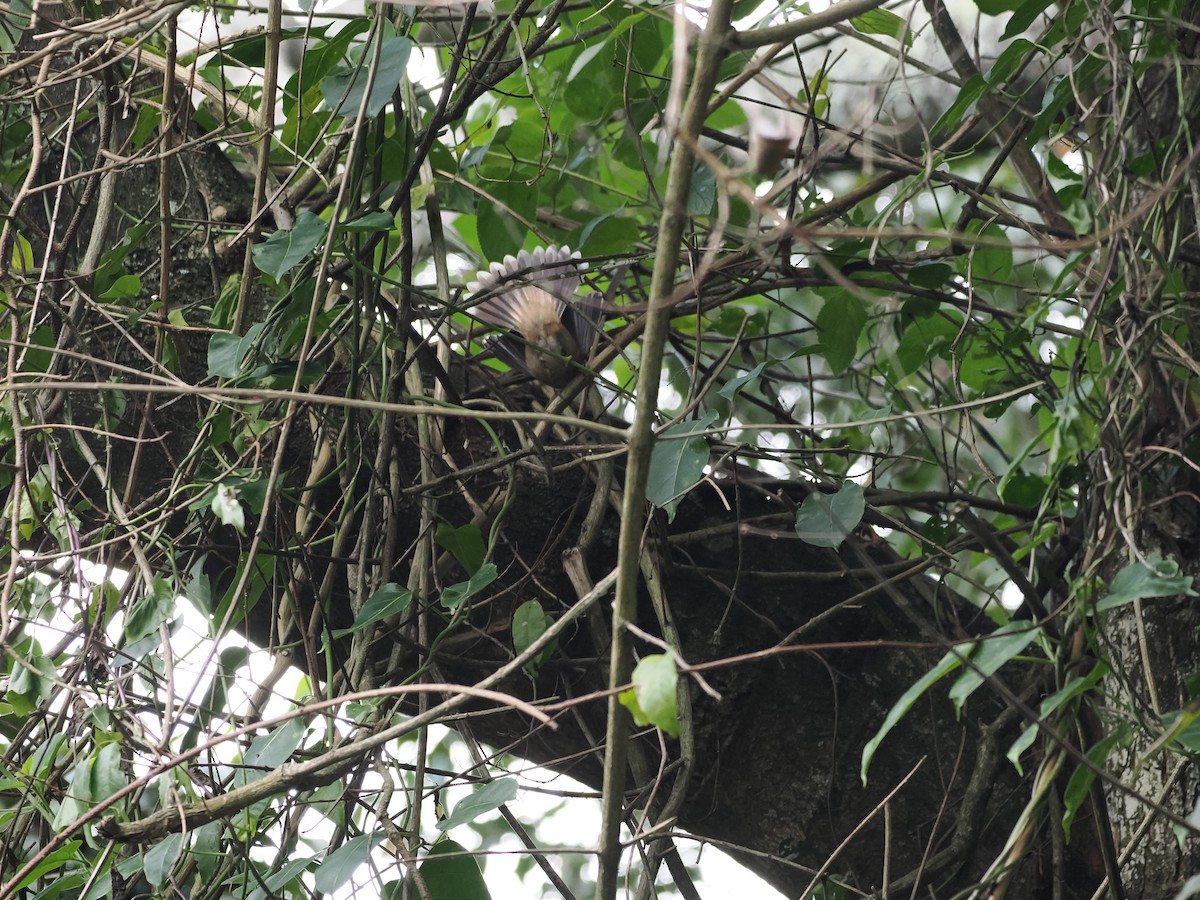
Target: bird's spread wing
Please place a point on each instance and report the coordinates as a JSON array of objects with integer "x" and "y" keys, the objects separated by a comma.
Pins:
[
  {"x": 556, "y": 269},
  {"x": 510, "y": 351},
  {"x": 533, "y": 286},
  {"x": 584, "y": 318}
]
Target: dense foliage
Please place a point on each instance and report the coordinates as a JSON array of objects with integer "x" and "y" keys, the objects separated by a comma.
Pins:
[{"x": 872, "y": 519}]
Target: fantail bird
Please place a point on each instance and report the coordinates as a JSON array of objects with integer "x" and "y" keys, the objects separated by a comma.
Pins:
[{"x": 533, "y": 295}]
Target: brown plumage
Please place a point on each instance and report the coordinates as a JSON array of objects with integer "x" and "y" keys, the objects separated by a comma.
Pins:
[{"x": 532, "y": 295}]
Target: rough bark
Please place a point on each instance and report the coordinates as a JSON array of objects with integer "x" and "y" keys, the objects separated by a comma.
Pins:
[{"x": 1146, "y": 503}]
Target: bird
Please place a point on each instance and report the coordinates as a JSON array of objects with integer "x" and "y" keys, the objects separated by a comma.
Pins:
[{"x": 533, "y": 297}]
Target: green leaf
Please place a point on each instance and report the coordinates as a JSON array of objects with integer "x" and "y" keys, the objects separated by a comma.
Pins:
[
  {"x": 653, "y": 700},
  {"x": 881, "y": 21},
  {"x": 1059, "y": 92},
  {"x": 1022, "y": 489},
  {"x": 609, "y": 234},
  {"x": 107, "y": 776},
  {"x": 1073, "y": 429},
  {"x": 160, "y": 859},
  {"x": 123, "y": 288},
  {"x": 991, "y": 260},
  {"x": 528, "y": 624},
  {"x": 281, "y": 375},
  {"x": 389, "y": 600},
  {"x": 323, "y": 56},
  {"x": 22, "y": 255},
  {"x": 930, "y": 274},
  {"x": 840, "y": 323},
  {"x": 149, "y": 121},
  {"x": 453, "y": 596},
  {"x": 924, "y": 340},
  {"x": 284, "y": 250},
  {"x": 30, "y": 684},
  {"x": 452, "y": 877},
  {"x": 114, "y": 404},
  {"x": 946, "y": 665},
  {"x": 226, "y": 351},
  {"x": 996, "y": 7},
  {"x": 490, "y": 796},
  {"x": 826, "y": 521},
  {"x": 734, "y": 385},
  {"x": 702, "y": 192},
  {"x": 465, "y": 543},
  {"x": 1072, "y": 689},
  {"x": 48, "y": 755},
  {"x": 1138, "y": 581},
  {"x": 39, "y": 354},
  {"x": 974, "y": 88},
  {"x": 344, "y": 89},
  {"x": 374, "y": 221},
  {"x": 1020, "y": 745},
  {"x": 224, "y": 311},
  {"x": 590, "y": 84},
  {"x": 15, "y": 17},
  {"x": 1182, "y": 729},
  {"x": 251, "y": 49},
  {"x": 112, "y": 261},
  {"x": 1009, "y": 60},
  {"x": 1023, "y": 16},
  {"x": 271, "y": 750},
  {"x": 500, "y": 226},
  {"x": 289, "y": 872},
  {"x": 676, "y": 466},
  {"x": 93, "y": 779},
  {"x": 150, "y": 611},
  {"x": 66, "y": 855},
  {"x": 992, "y": 651},
  {"x": 227, "y": 509},
  {"x": 1081, "y": 780},
  {"x": 339, "y": 866},
  {"x": 645, "y": 36}
]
